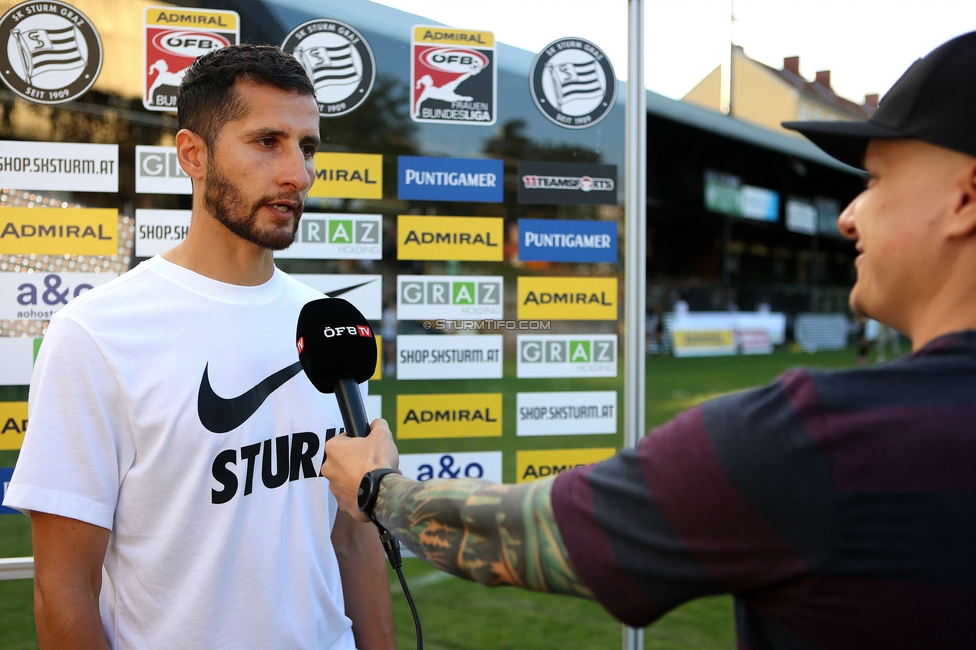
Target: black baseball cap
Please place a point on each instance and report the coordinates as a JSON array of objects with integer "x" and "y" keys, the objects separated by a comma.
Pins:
[{"x": 934, "y": 101}]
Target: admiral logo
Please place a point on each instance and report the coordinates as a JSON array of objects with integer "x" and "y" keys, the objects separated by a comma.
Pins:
[
  {"x": 453, "y": 76},
  {"x": 59, "y": 231},
  {"x": 450, "y": 179},
  {"x": 450, "y": 238},
  {"x": 336, "y": 237},
  {"x": 485, "y": 465},
  {"x": 459, "y": 415},
  {"x": 13, "y": 424},
  {"x": 348, "y": 176},
  {"x": 569, "y": 413},
  {"x": 703, "y": 343},
  {"x": 567, "y": 298},
  {"x": 567, "y": 183},
  {"x": 37, "y": 296},
  {"x": 338, "y": 60},
  {"x": 172, "y": 40},
  {"x": 449, "y": 357},
  {"x": 573, "y": 83},
  {"x": 50, "y": 52},
  {"x": 553, "y": 240},
  {"x": 532, "y": 465},
  {"x": 365, "y": 292},
  {"x": 449, "y": 297},
  {"x": 59, "y": 166},
  {"x": 158, "y": 171},
  {"x": 18, "y": 360},
  {"x": 567, "y": 355}
]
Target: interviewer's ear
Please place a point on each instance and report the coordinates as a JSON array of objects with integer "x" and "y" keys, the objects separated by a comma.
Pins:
[
  {"x": 963, "y": 219},
  {"x": 191, "y": 152}
]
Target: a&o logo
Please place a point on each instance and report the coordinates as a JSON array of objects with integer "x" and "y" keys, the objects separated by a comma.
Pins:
[
  {"x": 50, "y": 53},
  {"x": 573, "y": 83}
]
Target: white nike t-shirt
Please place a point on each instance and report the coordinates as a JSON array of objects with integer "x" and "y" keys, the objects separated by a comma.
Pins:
[{"x": 168, "y": 408}]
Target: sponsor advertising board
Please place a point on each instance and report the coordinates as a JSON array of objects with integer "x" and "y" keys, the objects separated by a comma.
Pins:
[
  {"x": 18, "y": 354},
  {"x": 37, "y": 296},
  {"x": 531, "y": 465},
  {"x": 801, "y": 216},
  {"x": 13, "y": 424},
  {"x": 425, "y": 297},
  {"x": 485, "y": 465},
  {"x": 567, "y": 355},
  {"x": 456, "y": 415},
  {"x": 158, "y": 171},
  {"x": 159, "y": 230},
  {"x": 374, "y": 406},
  {"x": 703, "y": 343},
  {"x": 336, "y": 237},
  {"x": 567, "y": 413},
  {"x": 566, "y": 183},
  {"x": 559, "y": 240},
  {"x": 365, "y": 292},
  {"x": 59, "y": 231},
  {"x": 453, "y": 76},
  {"x": 451, "y": 238},
  {"x": 449, "y": 357},
  {"x": 337, "y": 59},
  {"x": 59, "y": 166},
  {"x": 567, "y": 298},
  {"x": 348, "y": 176},
  {"x": 173, "y": 38},
  {"x": 5, "y": 474},
  {"x": 378, "y": 371},
  {"x": 573, "y": 83},
  {"x": 50, "y": 52},
  {"x": 450, "y": 179}
]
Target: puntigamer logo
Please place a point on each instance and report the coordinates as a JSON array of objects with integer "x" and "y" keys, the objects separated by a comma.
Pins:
[
  {"x": 555, "y": 240},
  {"x": 336, "y": 237},
  {"x": 567, "y": 355},
  {"x": 450, "y": 179},
  {"x": 423, "y": 297},
  {"x": 450, "y": 238}
]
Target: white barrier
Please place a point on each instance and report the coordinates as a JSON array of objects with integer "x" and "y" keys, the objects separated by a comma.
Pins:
[
  {"x": 815, "y": 332},
  {"x": 16, "y": 568}
]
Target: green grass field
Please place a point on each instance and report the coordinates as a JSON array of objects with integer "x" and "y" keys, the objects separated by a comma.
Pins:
[{"x": 457, "y": 614}]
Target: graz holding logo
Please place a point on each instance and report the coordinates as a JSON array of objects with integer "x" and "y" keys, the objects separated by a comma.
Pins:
[
  {"x": 158, "y": 171},
  {"x": 449, "y": 297},
  {"x": 573, "y": 83},
  {"x": 450, "y": 238},
  {"x": 50, "y": 52},
  {"x": 567, "y": 355},
  {"x": 336, "y": 237}
]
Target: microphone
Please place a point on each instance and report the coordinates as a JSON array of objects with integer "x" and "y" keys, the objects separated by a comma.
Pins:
[{"x": 337, "y": 349}]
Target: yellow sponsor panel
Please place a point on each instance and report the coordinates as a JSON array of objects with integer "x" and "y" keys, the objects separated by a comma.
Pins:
[
  {"x": 703, "y": 339},
  {"x": 13, "y": 424},
  {"x": 572, "y": 298},
  {"x": 348, "y": 176},
  {"x": 59, "y": 231},
  {"x": 447, "y": 36},
  {"x": 532, "y": 465},
  {"x": 206, "y": 19},
  {"x": 459, "y": 415},
  {"x": 451, "y": 238},
  {"x": 378, "y": 373}
]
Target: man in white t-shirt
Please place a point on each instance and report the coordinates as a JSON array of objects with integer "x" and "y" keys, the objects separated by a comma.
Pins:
[{"x": 172, "y": 465}]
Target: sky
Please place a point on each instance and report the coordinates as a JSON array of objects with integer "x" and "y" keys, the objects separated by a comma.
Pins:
[{"x": 866, "y": 44}]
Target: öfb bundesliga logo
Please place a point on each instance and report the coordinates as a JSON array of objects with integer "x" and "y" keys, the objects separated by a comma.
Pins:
[
  {"x": 50, "y": 52},
  {"x": 573, "y": 83}
]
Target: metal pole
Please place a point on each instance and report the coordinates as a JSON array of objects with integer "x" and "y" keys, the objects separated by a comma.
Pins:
[{"x": 635, "y": 263}]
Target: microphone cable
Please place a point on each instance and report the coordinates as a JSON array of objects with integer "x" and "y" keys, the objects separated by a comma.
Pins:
[{"x": 392, "y": 548}]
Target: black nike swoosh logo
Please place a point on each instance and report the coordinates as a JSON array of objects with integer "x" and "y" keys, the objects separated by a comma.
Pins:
[
  {"x": 335, "y": 293},
  {"x": 221, "y": 415}
]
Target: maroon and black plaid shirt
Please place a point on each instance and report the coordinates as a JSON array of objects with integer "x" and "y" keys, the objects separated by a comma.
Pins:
[{"x": 838, "y": 507}]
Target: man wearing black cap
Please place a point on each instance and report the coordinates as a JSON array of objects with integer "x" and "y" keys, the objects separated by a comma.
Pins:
[{"x": 839, "y": 508}]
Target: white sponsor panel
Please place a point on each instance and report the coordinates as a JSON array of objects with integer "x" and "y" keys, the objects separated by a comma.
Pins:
[
  {"x": 158, "y": 231},
  {"x": 452, "y": 297},
  {"x": 158, "y": 171},
  {"x": 336, "y": 237},
  {"x": 365, "y": 292},
  {"x": 427, "y": 356},
  {"x": 485, "y": 465},
  {"x": 59, "y": 166},
  {"x": 569, "y": 413},
  {"x": 37, "y": 296},
  {"x": 567, "y": 355},
  {"x": 374, "y": 406},
  {"x": 18, "y": 361}
]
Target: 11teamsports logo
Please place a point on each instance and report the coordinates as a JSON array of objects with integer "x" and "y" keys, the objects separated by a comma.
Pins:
[
  {"x": 50, "y": 53},
  {"x": 573, "y": 83},
  {"x": 337, "y": 59},
  {"x": 453, "y": 76}
]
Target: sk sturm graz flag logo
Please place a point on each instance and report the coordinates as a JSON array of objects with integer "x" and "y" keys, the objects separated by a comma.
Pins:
[
  {"x": 52, "y": 52},
  {"x": 338, "y": 60},
  {"x": 573, "y": 83},
  {"x": 452, "y": 73}
]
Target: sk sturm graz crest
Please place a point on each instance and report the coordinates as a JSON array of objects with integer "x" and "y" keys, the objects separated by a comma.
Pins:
[
  {"x": 339, "y": 62},
  {"x": 573, "y": 83},
  {"x": 50, "y": 52},
  {"x": 452, "y": 74},
  {"x": 174, "y": 38}
]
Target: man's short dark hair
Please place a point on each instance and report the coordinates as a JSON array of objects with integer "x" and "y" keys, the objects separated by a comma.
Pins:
[{"x": 206, "y": 99}]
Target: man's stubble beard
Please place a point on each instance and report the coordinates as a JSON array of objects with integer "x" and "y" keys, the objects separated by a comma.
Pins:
[{"x": 223, "y": 199}]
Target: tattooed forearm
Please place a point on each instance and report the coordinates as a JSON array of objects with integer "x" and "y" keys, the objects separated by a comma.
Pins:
[{"x": 492, "y": 534}]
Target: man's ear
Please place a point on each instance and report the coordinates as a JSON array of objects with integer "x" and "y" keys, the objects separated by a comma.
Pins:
[
  {"x": 963, "y": 221},
  {"x": 191, "y": 152}
]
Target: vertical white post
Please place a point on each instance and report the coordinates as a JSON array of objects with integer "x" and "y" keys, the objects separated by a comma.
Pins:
[{"x": 635, "y": 262}]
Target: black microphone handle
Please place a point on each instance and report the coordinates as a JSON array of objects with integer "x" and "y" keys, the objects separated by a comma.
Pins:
[{"x": 352, "y": 408}]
